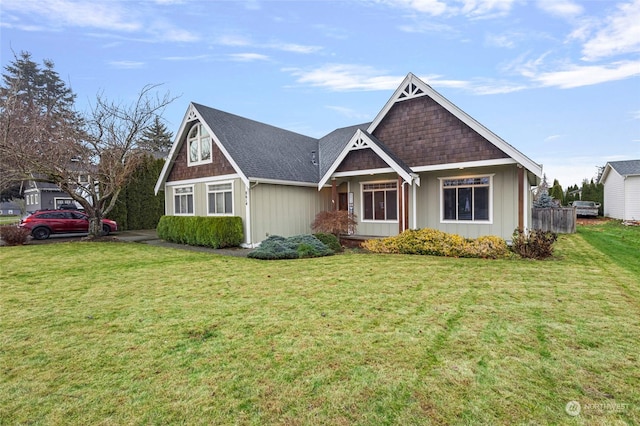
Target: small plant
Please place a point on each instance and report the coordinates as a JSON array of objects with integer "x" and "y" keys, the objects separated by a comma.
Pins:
[
  {"x": 336, "y": 222},
  {"x": 330, "y": 241},
  {"x": 301, "y": 246},
  {"x": 536, "y": 244},
  {"x": 13, "y": 235}
]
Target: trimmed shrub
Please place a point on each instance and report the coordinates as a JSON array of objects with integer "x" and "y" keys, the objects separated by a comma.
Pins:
[
  {"x": 214, "y": 232},
  {"x": 536, "y": 244},
  {"x": 301, "y": 246},
  {"x": 13, "y": 235},
  {"x": 330, "y": 241},
  {"x": 433, "y": 242},
  {"x": 334, "y": 222}
]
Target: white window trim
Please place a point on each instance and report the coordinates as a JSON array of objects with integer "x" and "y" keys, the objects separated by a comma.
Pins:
[
  {"x": 232, "y": 197},
  {"x": 199, "y": 162},
  {"x": 362, "y": 191},
  {"x": 467, "y": 222},
  {"x": 193, "y": 195}
]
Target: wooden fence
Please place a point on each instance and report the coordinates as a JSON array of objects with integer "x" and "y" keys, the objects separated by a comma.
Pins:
[{"x": 561, "y": 220}]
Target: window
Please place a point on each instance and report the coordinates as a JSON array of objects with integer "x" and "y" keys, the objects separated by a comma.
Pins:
[
  {"x": 380, "y": 201},
  {"x": 466, "y": 199},
  {"x": 183, "y": 198},
  {"x": 220, "y": 198},
  {"x": 199, "y": 145}
]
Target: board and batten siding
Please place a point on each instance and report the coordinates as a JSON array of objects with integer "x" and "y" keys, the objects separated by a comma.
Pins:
[
  {"x": 285, "y": 210},
  {"x": 504, "y": 219},
  {"x": 200, "y": 197}
]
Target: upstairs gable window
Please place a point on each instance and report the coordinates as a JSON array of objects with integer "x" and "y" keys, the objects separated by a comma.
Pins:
[{"x": 199, "y": 145}]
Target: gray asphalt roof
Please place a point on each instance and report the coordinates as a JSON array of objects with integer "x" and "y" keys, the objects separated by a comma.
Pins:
[
  {"x": 332, "y": 145},
  {"x": 261, "y": 150},
  {"x": 626, "y": 168}
]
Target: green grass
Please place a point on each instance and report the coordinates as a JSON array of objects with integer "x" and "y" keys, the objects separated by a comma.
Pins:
[
  {"x": 619, "y": 242},
  {"x": 9, "y": 220},
  {"x": 109, "y": 333}
]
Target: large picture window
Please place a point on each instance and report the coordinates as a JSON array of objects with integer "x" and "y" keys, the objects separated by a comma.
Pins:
[
  {"x": 380, "y": 201},
  {"x": 466, "y": 199},
  {"x": 183, "y": 199},
  {"x": 199, "y": 145},
  {"x": 220, "y": 198}
]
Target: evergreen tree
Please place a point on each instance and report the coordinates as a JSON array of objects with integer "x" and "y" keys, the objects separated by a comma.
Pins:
[
  {"x": 37, "y": 119},
  {"x": 543, "y": 199},
  {"x": 556, "y": 192},
  {"x": 157, "y": 138}
]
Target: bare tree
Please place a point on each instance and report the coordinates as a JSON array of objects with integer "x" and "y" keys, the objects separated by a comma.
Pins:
[
  {"x": 110, "y": 154},
  {"x": 91, "y": 158}
]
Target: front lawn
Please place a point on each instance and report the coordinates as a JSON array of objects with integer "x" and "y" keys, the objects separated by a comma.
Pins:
[{"x": 110, "y": 333}]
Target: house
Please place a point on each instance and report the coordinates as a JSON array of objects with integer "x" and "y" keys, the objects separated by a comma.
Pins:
[
  {"x": 422, "y": 162},
  {"x": 621, "y": 180},
  {"x": 9, "y": 208},
  {"x": 43, "y": 195}
]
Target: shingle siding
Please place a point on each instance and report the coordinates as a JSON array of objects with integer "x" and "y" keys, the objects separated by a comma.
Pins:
[
  {"x": 421, "y": 132},
  {"x": 218, "y": 167}
]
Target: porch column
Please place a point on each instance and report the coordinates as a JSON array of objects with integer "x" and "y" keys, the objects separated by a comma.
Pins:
[
  {"x": 520, "y": 198},
  {"x": 401, "y": 209},
  {"x": 334, "y": 195}
]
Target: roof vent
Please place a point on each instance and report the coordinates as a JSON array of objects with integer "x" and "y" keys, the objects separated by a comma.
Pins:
[{"x": 314, "y": 161}]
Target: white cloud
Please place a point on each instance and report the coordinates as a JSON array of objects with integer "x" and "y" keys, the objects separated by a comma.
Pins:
[
  {"x": 561, "y": 8},
  {"x": 233, "y": 40},
  {"x": 620, "y": 35},
  {"x": 295, "y": 48},
  {"x": 109, "y": 16},
  {"x": 186, "y": 58},
  {"x": 577, "y": 76},
  {"x": 248, "y": 57},
  {"x": 126, "y": 64},
  {"x": 345, "y": 77},
  {"x": 469, "y": 8},
  {"x": 348, "y": 112}
]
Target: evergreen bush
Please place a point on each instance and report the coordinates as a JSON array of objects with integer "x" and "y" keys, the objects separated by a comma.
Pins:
[
  {"x": 433, "y": 242},
  {"x": 300, "y": 246},
  {"x": 330, "y": 241},
  {"x": 214, "y": 232}
]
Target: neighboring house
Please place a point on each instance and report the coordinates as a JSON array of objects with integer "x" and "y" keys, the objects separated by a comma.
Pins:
[
  {"x": 422, "y": 162},
  {"x": 9, "y": 208},
  {"x": 621, "y": 180},
  {"x": 44, "y": 195}
]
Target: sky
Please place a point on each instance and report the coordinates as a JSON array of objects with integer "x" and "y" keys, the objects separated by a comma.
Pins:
[{"x": 557, "y": 79}]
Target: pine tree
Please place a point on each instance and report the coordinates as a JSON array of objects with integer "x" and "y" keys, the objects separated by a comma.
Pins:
[
  {"x": 556, "y": 192},
  {"x": 156, "y": 138}
]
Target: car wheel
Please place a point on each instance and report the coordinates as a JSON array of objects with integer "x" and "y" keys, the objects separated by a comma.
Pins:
[
  {"x": 106, "y": 230},
  {"x": 41, "y": 233}
]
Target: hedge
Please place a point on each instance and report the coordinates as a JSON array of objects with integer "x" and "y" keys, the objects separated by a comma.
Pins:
[
  {"x": 214, "y": 232},
  {"x": 437, "y": 243}
]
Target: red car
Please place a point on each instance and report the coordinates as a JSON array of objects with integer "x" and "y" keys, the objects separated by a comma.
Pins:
[{"x": 43, "y": 223}]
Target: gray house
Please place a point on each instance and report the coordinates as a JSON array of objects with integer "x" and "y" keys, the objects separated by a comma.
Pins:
[
  {"x": 621, "y": 180},
  {"x": 421, "y": 162},
  {"x": 44, "y": 195}
]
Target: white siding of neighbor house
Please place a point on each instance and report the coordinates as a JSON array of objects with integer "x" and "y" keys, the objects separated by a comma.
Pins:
[
  {"x": 614, "y": 195},
  {"x": 632, "y": 198},
  {"x": 285, "y": 210}
]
